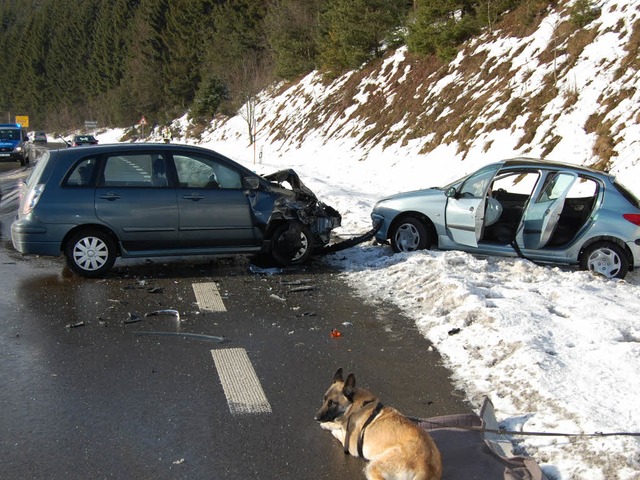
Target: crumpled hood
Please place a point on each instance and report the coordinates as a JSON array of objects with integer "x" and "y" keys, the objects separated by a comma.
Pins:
[
  {"x": 300, "y": 203},
  {"x": 292, "y": 178}
]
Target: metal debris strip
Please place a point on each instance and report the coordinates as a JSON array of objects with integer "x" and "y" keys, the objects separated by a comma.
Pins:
[
  {"x": 172, "y": 312},
  {"x": 305, "y": 288},
  {"x": 208, "y": 297},
  {"x": 239, "y": 381},
  {"x": 276, "y": 297},
  {"x": 194, "y": 336}
]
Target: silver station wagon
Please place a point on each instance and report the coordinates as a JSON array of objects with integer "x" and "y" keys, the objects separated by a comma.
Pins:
[
  {"x": 539, "y": 210},
  {"x": 144, "y": 200}
]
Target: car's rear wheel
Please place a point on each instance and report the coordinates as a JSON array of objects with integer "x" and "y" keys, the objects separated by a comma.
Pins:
[
  {"x": 291, "y": 244},
  {"x": 409, "y": 235},
  {"x": 605, "y": 258},
  {"x": 90, "y": 253}
]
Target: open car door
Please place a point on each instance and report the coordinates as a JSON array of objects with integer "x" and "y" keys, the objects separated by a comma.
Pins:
[
  {"x": 466, "y": 206},
  {"x": 543, "y": 211}
]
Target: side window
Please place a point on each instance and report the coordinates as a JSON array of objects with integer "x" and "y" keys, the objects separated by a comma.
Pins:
[
  {"x": 555, "y": 186},
  {"x": 195, "y": 171},
  {"x": 135, "y": 170},
  {"x": 82, "y": 173}
]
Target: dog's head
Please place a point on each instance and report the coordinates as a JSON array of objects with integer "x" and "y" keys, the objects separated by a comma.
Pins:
[{"x": 338, "y": 398}]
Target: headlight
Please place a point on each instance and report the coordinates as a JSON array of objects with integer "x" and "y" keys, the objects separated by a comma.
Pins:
[{"x": 18, "y": 149}]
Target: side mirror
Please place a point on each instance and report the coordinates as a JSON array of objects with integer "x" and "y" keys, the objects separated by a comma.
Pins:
[
  {"x": 251, "y": 183},
  {"x": 451, "y": 192}
]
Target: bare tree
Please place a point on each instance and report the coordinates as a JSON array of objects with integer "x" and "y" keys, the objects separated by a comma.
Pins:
[{"x": 252, "y": 76}]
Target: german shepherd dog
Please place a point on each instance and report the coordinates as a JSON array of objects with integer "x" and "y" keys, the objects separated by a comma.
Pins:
[{"x": 395, "y": 447}]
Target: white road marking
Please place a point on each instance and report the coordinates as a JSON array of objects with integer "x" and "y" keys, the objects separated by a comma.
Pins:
[
  {"x": 240, "y": 382},
  {"x": 208, "y": 297}
]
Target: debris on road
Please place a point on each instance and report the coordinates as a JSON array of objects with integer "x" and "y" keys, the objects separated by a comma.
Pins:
[
  {"x": 74, "y": 325},
  {"x": 335, "y": 333},
  {"x": 305, "y": 288},
  {"x": 175, "y": 313},
  {"x": 132, "y": 318},
  {"x": 195, "y": 336},
  {"x": 276, "y": 297},
  {"x": 264, "y": 271}
]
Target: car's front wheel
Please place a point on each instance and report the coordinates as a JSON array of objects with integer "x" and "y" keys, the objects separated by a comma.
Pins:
[
  {"x": 605, "y": 258},
  {"x": 90, "y": 253},
  {"x": 291, "y": 244},
  {"x": 409, "y": 235}
]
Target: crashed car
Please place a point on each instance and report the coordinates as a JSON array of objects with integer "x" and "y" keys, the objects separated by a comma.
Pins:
[
  {"x": 543, "y": 211},
  {"x": 146, "y": 200}
]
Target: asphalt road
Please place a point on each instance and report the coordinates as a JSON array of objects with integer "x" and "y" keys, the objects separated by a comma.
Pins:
[{"x": 88, "y": 393}]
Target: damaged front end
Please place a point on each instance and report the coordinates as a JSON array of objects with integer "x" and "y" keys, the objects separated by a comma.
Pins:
[{"x": 299, "y": 203}]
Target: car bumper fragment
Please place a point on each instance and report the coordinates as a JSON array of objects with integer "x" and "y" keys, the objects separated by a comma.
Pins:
[{"x": 351, "y": 242}]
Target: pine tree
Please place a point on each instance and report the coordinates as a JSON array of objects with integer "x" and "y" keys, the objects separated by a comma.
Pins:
[{"x": 353, "y": 31}]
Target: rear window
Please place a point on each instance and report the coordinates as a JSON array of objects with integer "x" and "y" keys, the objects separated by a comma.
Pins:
[
  {"x": 36, "y": 174},
  {"x": 631, "y": 198}
]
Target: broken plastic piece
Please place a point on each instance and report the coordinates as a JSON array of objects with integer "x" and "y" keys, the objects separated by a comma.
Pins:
[
  {"x": 266, "y": 271},
  {"x": 132, "y": 318},
  {"x": 335, "y": 333}
]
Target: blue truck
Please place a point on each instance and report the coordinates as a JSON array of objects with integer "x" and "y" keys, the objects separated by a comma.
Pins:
[{"x": 14, "y": 143}]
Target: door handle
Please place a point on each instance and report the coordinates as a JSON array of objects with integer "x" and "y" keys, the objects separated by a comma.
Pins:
[
  {"x": 471, "y": 209},
  {"x": 194, "y": 196},
  {"x": 110, "y": 196}
]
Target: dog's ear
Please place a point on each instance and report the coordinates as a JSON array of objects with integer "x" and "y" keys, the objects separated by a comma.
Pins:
[
  {"x": 349, "y": 389},
  {"x": 337, "y": 377}
]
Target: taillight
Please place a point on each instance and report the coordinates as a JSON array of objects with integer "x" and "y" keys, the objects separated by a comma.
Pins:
[
  {"x": 633, "y": 218},
  {"x": 30, "y": 199}
]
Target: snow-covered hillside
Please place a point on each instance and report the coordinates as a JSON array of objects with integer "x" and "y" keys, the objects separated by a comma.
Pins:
[{"x": 556, "y": 349}]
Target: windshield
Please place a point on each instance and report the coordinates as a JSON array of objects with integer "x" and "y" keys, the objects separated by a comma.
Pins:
[{"x": 10, "y": 134}]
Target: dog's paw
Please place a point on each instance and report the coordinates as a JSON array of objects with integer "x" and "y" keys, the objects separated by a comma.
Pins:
[{"x": 330, "y": 425}]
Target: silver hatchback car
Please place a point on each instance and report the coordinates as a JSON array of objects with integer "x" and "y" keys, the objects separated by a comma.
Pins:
[
  {"x": 543, "y": 211},
  {"x": 144, "y": 200}
]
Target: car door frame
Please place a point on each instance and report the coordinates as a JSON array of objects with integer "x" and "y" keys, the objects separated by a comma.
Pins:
[
  {"x": 465, "y": 211},
  {"x": 153, "y": 227},
  {"x": 218, "y": 233},
  {"x": 540, "y": 217}
]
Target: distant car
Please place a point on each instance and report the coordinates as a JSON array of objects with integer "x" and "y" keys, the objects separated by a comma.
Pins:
[
  {"x": 539, "y": 210},
  {"x": 39, "y": 137},
  {"x": 145, "y": 200},
  {"x": 83, "y": 140}
]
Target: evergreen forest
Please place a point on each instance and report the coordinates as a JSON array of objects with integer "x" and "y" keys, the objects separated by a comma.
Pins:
[{"x": 112, "y": 61}]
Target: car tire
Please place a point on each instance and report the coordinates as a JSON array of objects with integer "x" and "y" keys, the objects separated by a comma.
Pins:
[
  {"x": 291, "y": 244},
  {"x": 408, "y": 235},
  {"x": 90, "y": 253},
  {"x": 605, "y": 258}
]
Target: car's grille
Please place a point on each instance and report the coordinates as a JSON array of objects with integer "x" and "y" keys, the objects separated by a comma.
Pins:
[{"x": 6, "y": 149}]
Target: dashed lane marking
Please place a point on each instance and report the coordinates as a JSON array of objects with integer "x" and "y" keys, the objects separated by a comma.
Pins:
[
  {"x": 240, "y": 382},
  {"x": 208, "y": 297}
]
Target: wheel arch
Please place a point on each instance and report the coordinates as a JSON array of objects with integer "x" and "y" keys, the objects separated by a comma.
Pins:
[
  {"x": 91, "y": 226},
  {"x": 607, "y": 238},
  {"x": 426, "y": 221}
]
